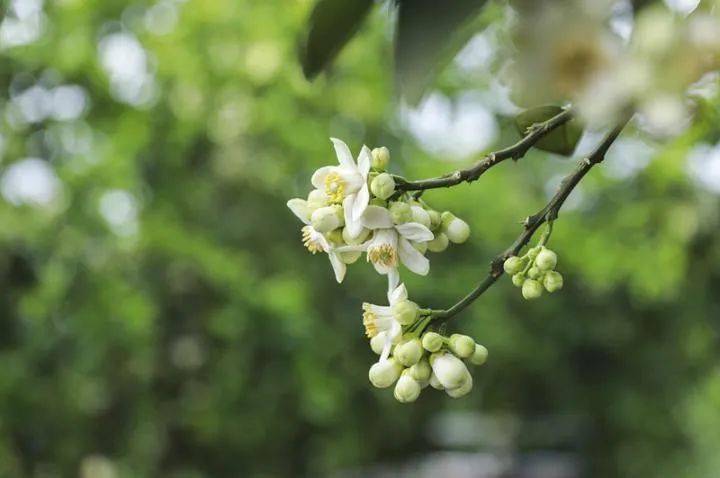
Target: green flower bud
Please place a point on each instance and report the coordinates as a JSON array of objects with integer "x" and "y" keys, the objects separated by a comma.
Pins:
[
  {"x": 450, "y": 370},
  {"x": 546, "y": 259},
  {"x": 327, "y": 218},
  {"x": 532, "y": 289},
  {"x": 421, "y": 371},
  {"x": 479, "y": 356},
  {"x": 518, "y": 279},
  {"x": 432, "y": 341},
  {"x": 400, "y": 212},
  {"x": 383, "y": 374},
  {"x": 513, "y": 265},
  {"x": 421, "y": 247},
  {"x": 435, "y": 219},
  {"x": 439, "y": 243},
  {"x": 317, "y": 199},
  {"x": 435, "y": 383},
  {"x": 377, "y": 343},
  {"x": 407, "y": 389},
  {"x": 463, "y": 389},
  {"x": 405, "y": 312},
  {"x": 383, "y": 186},
  {"x": 408, "y": 352},
  {"x": 534, "y": 272},
  {"x": 378, "y": 202},
  {"x": 553, "y": 281},
  {"x": 380, "y": 158},
  {"x": 457, "y": 231},
  {"x": 353, "y": 241},
  {"x": 420, "y": 215},
  {"x": 462, "y": 345},
  {"x": 445, "y": 218},
  {"x": 350, "y": 257},
  {"x": 335, "y": 236}
]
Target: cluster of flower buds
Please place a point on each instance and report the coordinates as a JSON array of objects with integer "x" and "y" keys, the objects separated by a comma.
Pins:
[
  {"x": 534, "y": 272},
  {"x": 411, "y": 358}
]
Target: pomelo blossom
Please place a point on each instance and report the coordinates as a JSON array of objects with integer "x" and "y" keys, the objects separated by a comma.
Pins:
[
  {"x": 379, "y": 320},
  {"x": 347, "y": 184}
]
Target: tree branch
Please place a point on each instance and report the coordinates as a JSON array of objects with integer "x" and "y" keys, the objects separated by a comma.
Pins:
[
  {"x": 532, "y": 223},
  {"x": 516, "y": 151}
]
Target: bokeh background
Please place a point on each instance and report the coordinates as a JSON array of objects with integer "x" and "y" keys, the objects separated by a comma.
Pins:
[{"x": 159, "y": 316}]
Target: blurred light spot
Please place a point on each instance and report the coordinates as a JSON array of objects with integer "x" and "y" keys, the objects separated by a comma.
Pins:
[
  {"x": 622, "y": 21},
  {"x": 126, "y": 63},
  {"x": 262, "y": 60},
  {"x": 97, "y": 466},
  {"x": 30, "y": 181},
  {"x": 704, "y": 167},
  {"x": 627, "y": 158},
  {"x": 68, "y": 102},
  {"x": 75, "y": 138},
  {"x": 119, "y": 209},
  {"x": 187, "y": 353},
  {"x": 161, "y": 18},
  {"x": 573, "y": 201},
  {"x": 457, "y": 130},
  {"x": 478, "y": 53},
  {"x": 685, "y": 7},
  {"x": 33, "y": 104},
  {"x": 23, "y": 24},
  {"x": 664, "y": 115}
]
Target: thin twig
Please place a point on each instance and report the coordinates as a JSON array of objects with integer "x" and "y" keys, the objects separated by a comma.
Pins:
[
  {"x": 532, "y": 223},
  {"x": 516, "y": 151}
]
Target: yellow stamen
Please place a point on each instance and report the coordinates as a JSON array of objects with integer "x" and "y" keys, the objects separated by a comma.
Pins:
[
  {"x": 334, "y": 188},
  {"x": 369, "y": 321},
  {"x": 308, "y": 241},
  {"x": 383, "y": 254}
]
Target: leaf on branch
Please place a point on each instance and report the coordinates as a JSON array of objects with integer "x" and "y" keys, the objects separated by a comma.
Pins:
[
  {"x": 562, "y": 140},
  {"x": 429, "y": 33},
  {"x": 332, "y": 24}
]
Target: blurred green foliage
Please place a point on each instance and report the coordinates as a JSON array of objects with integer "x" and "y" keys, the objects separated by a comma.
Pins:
[{"x": 160, "y": 311}]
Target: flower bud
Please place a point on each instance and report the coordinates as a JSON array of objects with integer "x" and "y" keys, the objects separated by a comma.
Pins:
[
  {"x": 445, "y": 218},
  {"x": 450, "y": 370},
  {"x": 408, "y": 352},
  {"x": 377, "y": 343},
  {"x": 461, "y": 345},
  {"x": 421, "y": 371},
  {"x": 435, "y": 219},
  {"x": 553, "y": 281},
  {"x": 546, "y": 259},
  {"x": 327, "y": 218},
  {"x": 439, "y": 243},
  {"x": 421, "y": 247},
  {"x": 463, "y": 389},
  {"x": 534, "y": 272},
  {"x": 518, "y": 279},
  {"x": 532, "y": 289},
  {"x": 383, "y": 186},
  {"x": 420, "y": 215},
  {"x": 432, "y": 341},
  {"x": 350, "y": 257},
  {"x": 400, "y": 212},
  {"x": 479, "y": 356},
  {"x": 513, "y": 265},
  {"x": 384, "y": 373},
  {"x": 407, "y": 389},
  {"x": 359, "y": 239},
  {"x": 378, "y": 202},
  {"x": 435, "y": 383},
  {"x": 335, "y": 236},
  {"x": 380, "y": 158},
  {"x": 457, "y": 231},
  {"x": 405, "y": 311},
  {"x": 317, "y": 199}
]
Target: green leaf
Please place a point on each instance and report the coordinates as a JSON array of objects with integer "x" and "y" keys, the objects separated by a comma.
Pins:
[
  {"x": 429, "y": 33},
  {"x": 562, "y": 140},
  {"x": 332, "y": 24}
]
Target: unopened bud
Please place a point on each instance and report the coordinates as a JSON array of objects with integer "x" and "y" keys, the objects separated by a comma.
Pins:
[
  {"x": 420, "y": 215},
  {"x": 461, "y": 345},
  {"x": 409, "y": 352},
  {"x": 513, "y": 265},
  {"x": 380, "y": 158},
  {"x": 335, "y": 236},
  {"x": 534, "y": 272},
  {"x": 435, "y": 383},
  {"x": 450, "y": 370},
  {"x": 359, "y": 239},
  {"x": 532, "y": 289},
  {"x": 405, "y": 311},
  {"x": 400, "y": 212},
  {"x": 384, "y": 373},
  {"x": 518, "y": 279},
  {"x": 421, "y": 247},
  {"x": 463, "y": 389},
  {"x": 421, "y": 371},
  {"x": 439, "y": 243},
  {"x": 407, "y": 389},
  {"x": 546, "y": 259},
  {"x": 383, "y": 186},
  {"x": 457, "y": 231},
  {"x": 553, "y": 281},
  {"x": 350, "y": 257},
  {"x": 435, "y": 219},
  {"x": 377, "y": 343},
  {"x": 327, "y": 218},
  {"x": 479, "y": 356},
  {"x": 432, "y": 341},
  {"x": 317, "y": 199}
]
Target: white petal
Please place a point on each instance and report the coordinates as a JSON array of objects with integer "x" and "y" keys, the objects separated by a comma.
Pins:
[
  {"x": 380, "y": 310},
  {"x": 398, "y": 294},
  {"x": 352, "y": 179},
  {"x": 318, "y": 177},
  {"x": 393, "y": 280},
  {"x": 343, "y": 154},
  {"x": 381, "y": 269},
  {"x": 414, "y": 231},
  {"x": 392, "y": 334},
  {"x": 364, "y": 160},
  {"x": 338, "y": 266},
  {"x": 300, "y": 208},
  {"x": 361, "y": 203},
  {"x": 376, "y": 217},
  {"x": 412, "y": 259},
  {"x": 351, "y": 248}
]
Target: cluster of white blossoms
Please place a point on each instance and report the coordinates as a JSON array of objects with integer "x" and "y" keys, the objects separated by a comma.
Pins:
[
  {"x": 355, "y": 209},
  {"x": 412, "y": 358},
  {"x": 534, "y": 272}
]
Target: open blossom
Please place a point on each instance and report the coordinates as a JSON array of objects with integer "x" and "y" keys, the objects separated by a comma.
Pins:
[
  {"x": 379, "y": 320},
  {"x": 347, "y": 184},
  {"x": 315, "y": 241}
]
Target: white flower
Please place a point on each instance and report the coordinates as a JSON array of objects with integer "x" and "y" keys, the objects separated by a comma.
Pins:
[
  {"x": 315, "y": 241},
  {"x": 380, "y": 321},
  {"x": 347, "y": 184}
]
